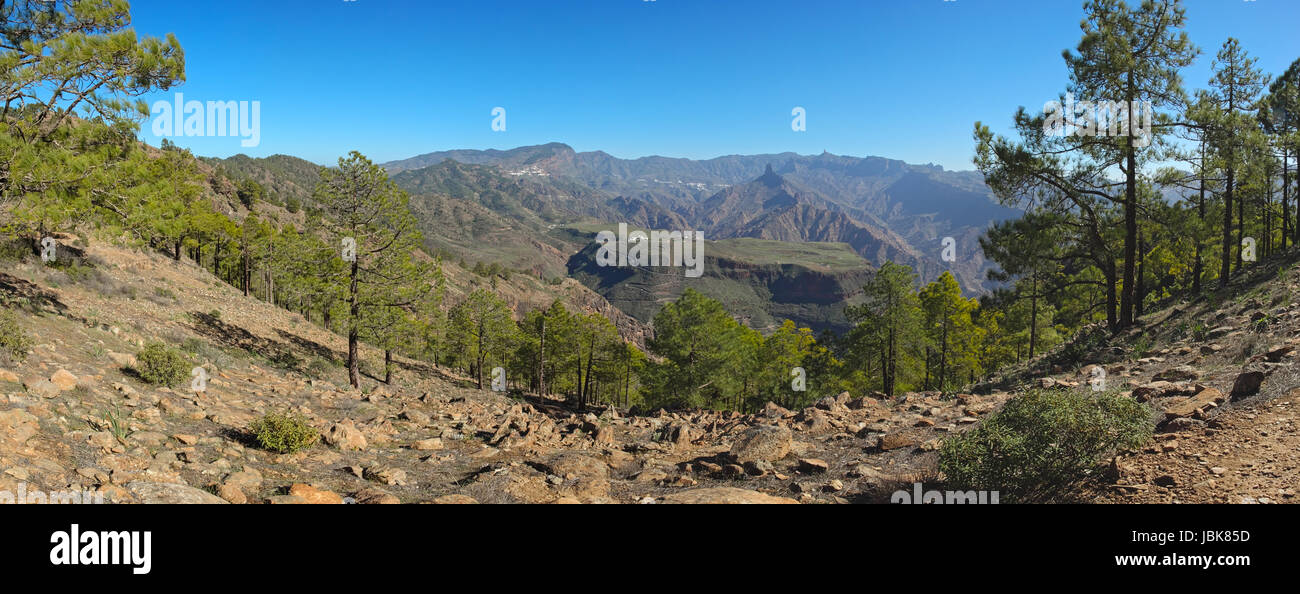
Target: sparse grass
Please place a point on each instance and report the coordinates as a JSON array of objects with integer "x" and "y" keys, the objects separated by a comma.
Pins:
[
  {"x": 284, "y": 432},
  {"x": 114, "y": 423},
  {"x": 319, "y": 368},
  {"x": 1200, "y": 332},
  {"x": 1250, "y": 344},
  {"x": 1142, "y": 345},
  {"x": 106, "y": 286},
  {"x": 192, "y": 345}
]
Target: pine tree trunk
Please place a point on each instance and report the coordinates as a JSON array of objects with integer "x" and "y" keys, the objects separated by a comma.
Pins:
[
  {"x": 1141, "y": 288},
  {"x": 1199, "y": 265},
  {"x": 354, "y": 313},
  {"x": 1225, "y": 268},
  {"x": 943, "y": 354},
  {"x": 1033, "y": 313},
  {"x": 541, "y": 360},
  {"x": 1128, "y": 287}
]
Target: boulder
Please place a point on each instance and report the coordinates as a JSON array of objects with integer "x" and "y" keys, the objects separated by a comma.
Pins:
[
  {"x": 63, "y": 380},
  {"x": 43, "y": 389},
  {"x": 1247, "y": 384},
  {"x": 774, "y": 411},
  {"x": 762, "y": 443},
  {"x": 813, "y": 465},
  {"x": 1196, "y": 405},
  {"x": 583, "y": 476},
  {"x": 1180, "y": 373},
  {"x": 894, "y": 441},
  {"x": 232, "y": 494},
  {"x": 171, "y": 493},
  {"x": 344, "y": 435},
  {"x": 312, "y": 495},
  {"x": 426, "y": 445},
  {"x": 17, "y": 425}
]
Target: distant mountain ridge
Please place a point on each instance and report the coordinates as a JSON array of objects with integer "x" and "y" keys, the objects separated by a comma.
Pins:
[{"x": 885, "y": 209}]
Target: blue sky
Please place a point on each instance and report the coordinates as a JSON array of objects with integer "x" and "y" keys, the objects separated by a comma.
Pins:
[{"x": 681, "y": 78}]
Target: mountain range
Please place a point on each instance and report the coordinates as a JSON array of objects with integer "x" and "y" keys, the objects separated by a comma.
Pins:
[
  {"x": 537, "y": 208},
  {"x": 885, "y": 209}
]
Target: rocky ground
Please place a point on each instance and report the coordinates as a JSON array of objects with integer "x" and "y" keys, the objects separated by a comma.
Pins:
[{"x": 74, "y": 417}]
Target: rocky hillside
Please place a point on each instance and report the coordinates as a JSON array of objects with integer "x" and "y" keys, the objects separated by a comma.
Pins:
[
  {"x": 76, "y": 416},
  {"x": 1219, "y": 373}
]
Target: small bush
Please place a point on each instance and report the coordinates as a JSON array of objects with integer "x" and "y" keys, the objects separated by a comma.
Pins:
[
  {"x": 319, "y": 368},
  {"x": 192, "y": 345},
  {"x": 14, "y": 250},
  {"x": 13, "y": 341},
  {"x": 158, "y": 364},
  {"x": 284, "y": 432},
  {"x": 1043, "y": 441}
]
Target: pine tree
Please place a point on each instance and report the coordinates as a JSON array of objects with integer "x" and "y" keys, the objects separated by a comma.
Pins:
[
  {"x": 1234, "y": 89},
  {"x": 482, "y": 331},
  {"x": 365, "y": 209},
  {"x": 889, "y": 324},
  {"x": 952, "y": 332},
  {"x": 699, "y": 342},
  {"x": 58, "y": 60},
  {"x": 1131, "y": 55}
]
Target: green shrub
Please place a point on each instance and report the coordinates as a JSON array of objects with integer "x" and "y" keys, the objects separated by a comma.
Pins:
[
  {"x": 284, "y": 432},
  {"x": 158, "y": 364},
  {"x": 13, "y": 341},
  {"x": 1043, "y": 441},
  {"x": 192, "y": 345},
  {"x": 14, "y": 250}
]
